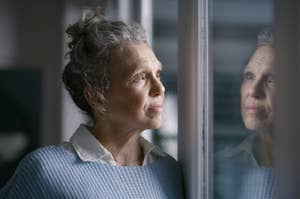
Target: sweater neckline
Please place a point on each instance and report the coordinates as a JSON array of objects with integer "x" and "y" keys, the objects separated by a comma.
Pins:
[{"x": 156, "y": 163}]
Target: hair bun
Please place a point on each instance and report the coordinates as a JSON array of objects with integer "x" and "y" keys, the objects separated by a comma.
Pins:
[{"x": 77, "y": 30}]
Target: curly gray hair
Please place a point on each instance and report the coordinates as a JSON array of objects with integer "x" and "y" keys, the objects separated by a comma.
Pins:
[{"x": 92, "y": 40}]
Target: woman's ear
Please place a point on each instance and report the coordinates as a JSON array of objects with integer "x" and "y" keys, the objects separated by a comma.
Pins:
[
  {"x": 90, "y": 96},
  {"x": 95, "y": 100}
]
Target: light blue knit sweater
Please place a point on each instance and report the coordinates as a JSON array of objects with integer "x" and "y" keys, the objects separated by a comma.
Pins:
[
  {"x": 238, "y": 176},
  {"x": 53, "y": 172}
]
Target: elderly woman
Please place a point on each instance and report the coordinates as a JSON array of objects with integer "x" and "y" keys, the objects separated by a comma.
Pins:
[
  {"x": 113, "y": 76},
  {"x": 257, "y": 105},
  {"x": 257, "y": 102},
  {"x": 247, "y": 170}
]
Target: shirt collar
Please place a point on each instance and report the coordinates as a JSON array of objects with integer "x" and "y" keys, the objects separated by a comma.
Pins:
[
  {"x": 247, "y": 146},
  {"x": 151, "y": 152},
  {"x": 245, "y": 149},
  {"x": 88, "y": 148}
]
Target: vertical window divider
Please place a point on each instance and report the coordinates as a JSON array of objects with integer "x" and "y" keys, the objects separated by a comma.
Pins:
[{"x": 195, "y": 90}]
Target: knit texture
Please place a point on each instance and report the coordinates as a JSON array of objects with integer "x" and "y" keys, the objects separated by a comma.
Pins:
[
  {"x": 237, "y": 177},
  {"x": 258, "y": 183},
  {"x": 53, "y": 172}
]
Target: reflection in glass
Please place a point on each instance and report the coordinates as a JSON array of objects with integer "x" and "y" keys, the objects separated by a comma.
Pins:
[{"x": 244, "y": 91}]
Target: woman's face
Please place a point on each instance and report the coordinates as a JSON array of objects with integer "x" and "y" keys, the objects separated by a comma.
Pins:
[
  {"x": 136, "y": 94},
  {"x": 258, "y": 90}
]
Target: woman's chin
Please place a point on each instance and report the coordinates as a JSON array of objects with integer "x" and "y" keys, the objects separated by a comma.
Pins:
[
  {"x": 255, "y": 126},
  {"x": 155, "y": 124}
]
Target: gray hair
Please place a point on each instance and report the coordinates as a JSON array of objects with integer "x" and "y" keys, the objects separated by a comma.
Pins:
[
  {"x": 265, "y": 37},
  {"x": 90, "y": 50}
]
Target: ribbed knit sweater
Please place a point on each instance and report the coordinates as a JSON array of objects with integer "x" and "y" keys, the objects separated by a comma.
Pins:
[
  {"x": 258, "y": 183},
  {"x": 53, "y": 172},
  {"x": 238, "y": 176}
]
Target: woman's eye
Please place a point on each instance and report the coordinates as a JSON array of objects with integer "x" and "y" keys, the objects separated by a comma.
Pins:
[
  {"x": 139, "y": 77},
  {"x": 248, "y": 76},
  {"x": 270, "y": 80},
  {"x": 158, "y": 75}
]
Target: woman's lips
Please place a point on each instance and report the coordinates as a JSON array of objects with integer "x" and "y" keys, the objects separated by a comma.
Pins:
[
  {"x": 156, "y": 107},
  {"x": 253, "y": 109}
]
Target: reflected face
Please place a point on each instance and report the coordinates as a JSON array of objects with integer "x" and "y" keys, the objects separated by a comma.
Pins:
[
  {"x": 258, "y": 90},
  {"x": 136, "y": 94}
]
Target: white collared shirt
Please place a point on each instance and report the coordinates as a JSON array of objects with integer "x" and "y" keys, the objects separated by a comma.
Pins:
[
  {"x": 88, "y": 148},
  {"x": 246, "y": 147}
]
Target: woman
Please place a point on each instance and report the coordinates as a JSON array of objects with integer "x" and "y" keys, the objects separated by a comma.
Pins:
[
  {"x": 247, "y": 170},
  {"x": 257, "y": 101},
  {"x": 257, "y": 104},
  {"x": 113, "y": 76}
]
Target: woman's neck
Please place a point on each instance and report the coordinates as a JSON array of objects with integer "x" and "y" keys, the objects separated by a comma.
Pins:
[
  {"x": 123, "y": 144},
  {"x": 264, "y": 149}
]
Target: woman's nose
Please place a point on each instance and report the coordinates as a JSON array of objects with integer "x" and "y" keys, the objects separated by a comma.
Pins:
[
  {"x": 256, "y": 89},
  {"x": 157, "y": 88}
]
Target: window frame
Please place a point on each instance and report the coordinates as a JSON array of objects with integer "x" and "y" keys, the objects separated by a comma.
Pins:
[
  {"x": 195, "y": 97},
  {"x": 287, "y": 138}
]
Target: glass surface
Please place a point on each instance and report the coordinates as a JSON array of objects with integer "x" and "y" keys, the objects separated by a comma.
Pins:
[
  {"x": 165, "y": 47},
  {"x": 236, "y": 24}
]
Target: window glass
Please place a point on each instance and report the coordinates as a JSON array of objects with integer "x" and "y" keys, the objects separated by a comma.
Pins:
[
  {"x": 165, "y": 48},
  {"x": 244, "y": 88}
]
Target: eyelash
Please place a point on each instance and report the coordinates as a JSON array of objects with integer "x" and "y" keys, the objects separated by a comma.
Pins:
[
  {"x": 248, "y": 76},
  {"x": 270, "y": 80},
  {"x": 139, "y": 77},
  {"x": 142, "y": 76},
  {"x": 158, "y": 74}
]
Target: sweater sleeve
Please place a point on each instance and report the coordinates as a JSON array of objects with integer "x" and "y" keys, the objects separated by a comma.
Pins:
[{"x": 27, "y": 181}]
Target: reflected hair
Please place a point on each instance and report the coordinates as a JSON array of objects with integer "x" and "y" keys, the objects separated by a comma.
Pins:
[
  {"x": 265, "y": 37},
  {"x": 92, "y": 39}
]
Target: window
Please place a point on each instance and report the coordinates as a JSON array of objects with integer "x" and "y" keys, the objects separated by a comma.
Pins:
[
  {"x": 216, "y": 41},
  {"x": 238, "y": 141}
]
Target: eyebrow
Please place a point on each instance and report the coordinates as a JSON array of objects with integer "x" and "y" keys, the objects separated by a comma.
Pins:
[
  {"x": 246, "y": 70},
  {"x": 264, "y": 74},
  {"x": 137, "y": 69},
  {"x": 269, "y": 74},
  {"x": 160, "y": 65},
  {"x": 136, "y": 63}
]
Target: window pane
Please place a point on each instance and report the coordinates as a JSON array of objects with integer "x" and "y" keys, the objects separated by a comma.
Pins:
[
  {"x": 243, "y": 99},
  {"x": 165, "y": 47}
]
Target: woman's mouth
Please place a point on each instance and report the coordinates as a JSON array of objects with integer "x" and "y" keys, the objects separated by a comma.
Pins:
[
  {"x": 156, "y": 107},
  {"x": 253, "y": 109}
]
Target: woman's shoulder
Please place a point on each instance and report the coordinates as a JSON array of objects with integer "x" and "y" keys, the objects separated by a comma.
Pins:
[
  {"x": 170, "y": 173},
  {"x": 44, "y": 153},
  {"x": 168, "y": 159},
  {"x": 167, "y": 164},
  {"x": 51, "y": 149},
  {"x": 45, "y": 157},
  {"x": 36, "y": 170}
]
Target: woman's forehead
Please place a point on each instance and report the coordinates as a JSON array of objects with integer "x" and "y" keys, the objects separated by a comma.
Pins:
[
  {"x": 133, "y": 56},
  {"x": 262, "y": 59},
  {"x": 130, "y": 53}
]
